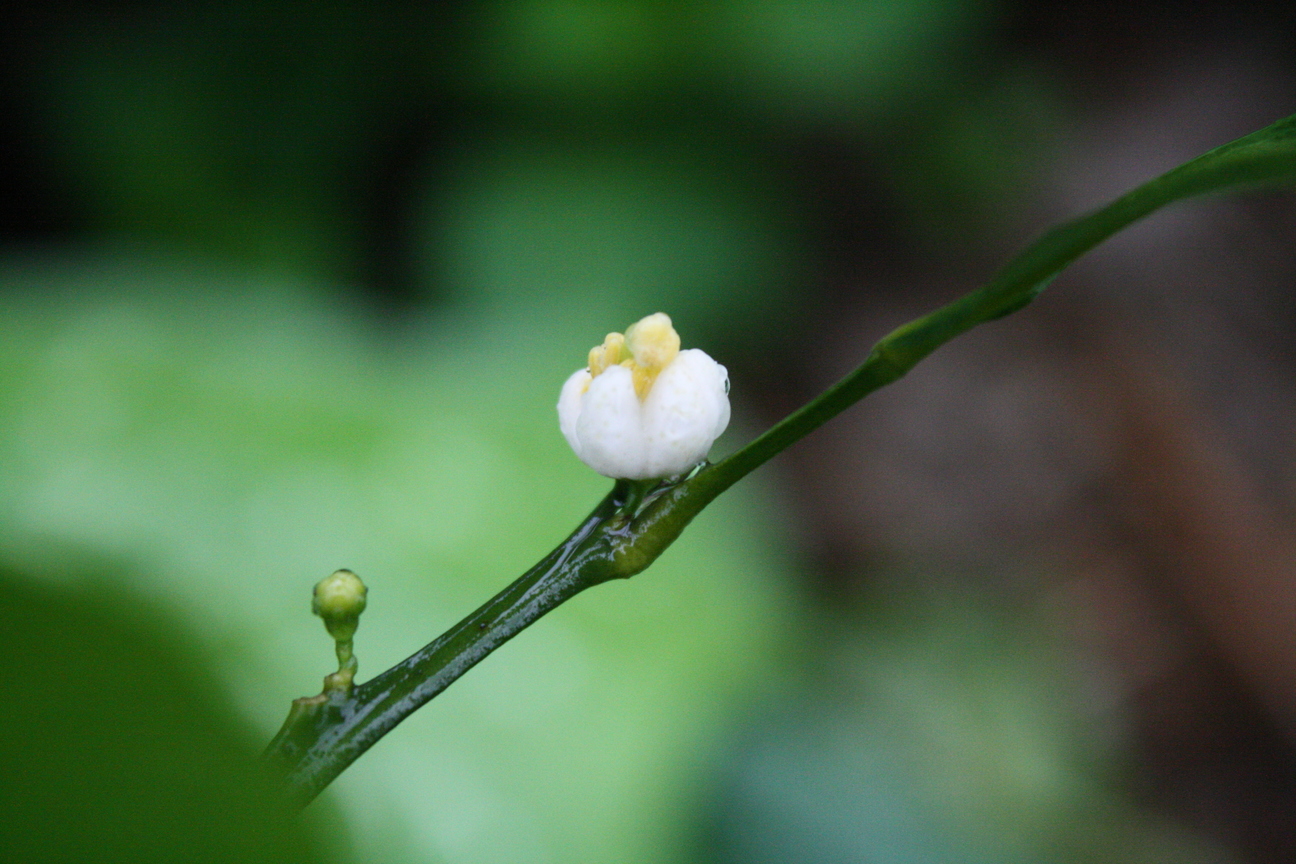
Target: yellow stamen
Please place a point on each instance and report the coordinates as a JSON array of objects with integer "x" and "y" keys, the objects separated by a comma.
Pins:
[
  {"x": 653, "y": 341},
  {"x": 652, "y": 344},
  {"x": 607, "y": 354}
]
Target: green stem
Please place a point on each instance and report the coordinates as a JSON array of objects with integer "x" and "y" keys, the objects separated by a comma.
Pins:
[
  {"x": 325, "y": 735},
  {"x": 1264, "y": 157},
  {"x": 637, "y": 521},
  {"x": 346, "y": 656}
]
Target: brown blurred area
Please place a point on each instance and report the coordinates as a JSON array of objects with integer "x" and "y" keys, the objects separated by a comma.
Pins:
[{"x": 1123, "y": 450}]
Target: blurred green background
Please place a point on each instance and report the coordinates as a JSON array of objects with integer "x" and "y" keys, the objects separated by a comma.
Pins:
[{"x": 290, "y": 287}]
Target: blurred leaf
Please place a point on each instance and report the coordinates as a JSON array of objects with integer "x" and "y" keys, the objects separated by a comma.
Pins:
[
  {"x": 826, "y": 60},
  {"x": 568, "y": 51},
  {"x": 241, "y": 131},
  {"x": 119, "y": 747},
  {"x": 606, "y": 234},
  {"x": 236, "y": 442},
  {"x": 839, "y": 60},
  {"x": 935, "y": 730}
]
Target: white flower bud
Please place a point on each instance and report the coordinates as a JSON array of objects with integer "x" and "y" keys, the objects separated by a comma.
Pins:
[{"x": 654, "y": 414}]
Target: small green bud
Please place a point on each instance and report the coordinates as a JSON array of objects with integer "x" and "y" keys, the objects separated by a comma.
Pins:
[{"x": 339, "y": 599}]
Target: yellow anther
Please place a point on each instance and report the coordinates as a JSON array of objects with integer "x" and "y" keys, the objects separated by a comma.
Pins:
[
  {"x": 647, "y": 347},
  {"x": 653, "y": 341},
  {"x": 607, "y": 354}
]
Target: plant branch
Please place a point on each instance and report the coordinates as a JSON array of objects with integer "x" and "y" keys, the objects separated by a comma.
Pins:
[{"x": 635, "y": 523}]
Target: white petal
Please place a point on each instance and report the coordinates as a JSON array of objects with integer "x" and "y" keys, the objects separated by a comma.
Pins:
[
  {"x": 685, "y": 412},
  {"x": 569, "y": 405},
  {"x": 609, "y": 429}
]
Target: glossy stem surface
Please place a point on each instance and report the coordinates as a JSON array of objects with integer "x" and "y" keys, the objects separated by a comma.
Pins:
[{"x": 322, "y": 736}]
